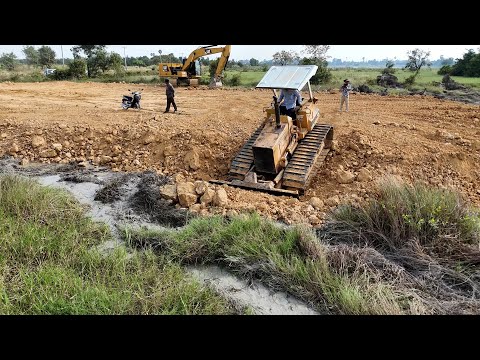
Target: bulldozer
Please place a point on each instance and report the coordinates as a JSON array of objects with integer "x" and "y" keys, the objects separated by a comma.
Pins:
[
  {"x": 185, "y": 74},
  {"x": 281, "y": 155}
]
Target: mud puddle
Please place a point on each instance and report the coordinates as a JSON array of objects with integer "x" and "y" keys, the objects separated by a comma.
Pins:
[
  {"x": 133, "y": 200},
  {"x": 256, "y": 296}
]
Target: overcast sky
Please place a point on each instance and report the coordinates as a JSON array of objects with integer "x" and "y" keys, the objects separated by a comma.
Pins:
[{"x": 262, "y": 52}]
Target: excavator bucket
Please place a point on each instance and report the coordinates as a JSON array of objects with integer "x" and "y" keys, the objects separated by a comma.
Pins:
[{"x": 215, "y": 84}]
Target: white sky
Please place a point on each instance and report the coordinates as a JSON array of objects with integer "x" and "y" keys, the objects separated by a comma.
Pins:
[{"x": 262, "y": 52}]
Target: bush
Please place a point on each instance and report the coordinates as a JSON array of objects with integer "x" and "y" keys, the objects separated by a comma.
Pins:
[
  {"x": 77, "y": 68},
  {"x": 61, "y": 74},
  {"x": 446, "y": 69},
  {"x": 234, "y": 80},
  {"x": 409, "y": 80}
]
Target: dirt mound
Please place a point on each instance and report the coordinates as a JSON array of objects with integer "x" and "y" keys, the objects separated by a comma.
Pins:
[{"x": 79, "y": 124}]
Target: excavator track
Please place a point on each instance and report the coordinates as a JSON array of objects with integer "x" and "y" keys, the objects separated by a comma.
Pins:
[
  {"x": 309, "y": 152},
  {"x": 242, "y": 163}
]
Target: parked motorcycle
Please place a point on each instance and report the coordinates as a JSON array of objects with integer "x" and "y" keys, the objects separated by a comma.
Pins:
[{"x": 132, "y": 101}]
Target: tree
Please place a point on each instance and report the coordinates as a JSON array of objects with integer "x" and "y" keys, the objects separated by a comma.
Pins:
[
  {"x": 31, "y": 55},
  {"x": 317, "y": 51},
  {"x": 389, "y": 67},
  {"x": 116, "y": 63},
  {"x": 323, "y": 74},
  {"x": 469, "y": 65},
  {"x": 90, "y": 52},
  {"x": 318, "y": 56},
  {"x": 77, "y": 68},
  {"x": 285, "y": 57},
  {"x": 8, "y": 61},
  {"x": 213, "y": 67},
  {"x": 254, "y": 62},
  {"x": 417, "y": 59},
  {"x": 46, "y": 56}
]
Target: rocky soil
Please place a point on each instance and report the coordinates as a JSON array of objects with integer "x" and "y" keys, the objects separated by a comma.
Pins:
[{"x": 415, "y": 137}]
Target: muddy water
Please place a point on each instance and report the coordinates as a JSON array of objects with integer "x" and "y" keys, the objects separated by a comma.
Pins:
[
  {"x": 255, "y": 296},
  {"x": 84, "y": 184}
]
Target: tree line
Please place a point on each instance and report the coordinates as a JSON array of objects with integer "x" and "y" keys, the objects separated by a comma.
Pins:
[{"x": 93, "y": 60}]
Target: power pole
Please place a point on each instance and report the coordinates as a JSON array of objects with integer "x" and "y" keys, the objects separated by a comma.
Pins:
[
  {"x": 63, "y": 60},
  {"x": 124, "y": 57}
]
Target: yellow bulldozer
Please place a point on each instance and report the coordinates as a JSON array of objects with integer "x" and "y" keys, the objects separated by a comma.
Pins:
[
  {"x": 279, "y": 157},
  {"x": 186, "y": 74}
]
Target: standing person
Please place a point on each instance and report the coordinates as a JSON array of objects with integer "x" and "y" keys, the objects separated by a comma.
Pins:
[
  {"x": 170, "y": 92},
  {"x": 345, "y": 92},
  {"x": 291, "y": 98}
]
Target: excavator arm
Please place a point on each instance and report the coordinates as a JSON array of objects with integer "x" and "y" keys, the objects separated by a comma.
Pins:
[{"x": 208, "y": 50}]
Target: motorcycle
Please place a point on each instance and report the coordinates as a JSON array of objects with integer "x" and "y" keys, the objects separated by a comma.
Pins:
[{"x": 132, "y": 101}]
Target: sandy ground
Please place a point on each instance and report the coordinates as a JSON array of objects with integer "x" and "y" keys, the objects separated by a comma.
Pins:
[{"x": 414, "y": 137}]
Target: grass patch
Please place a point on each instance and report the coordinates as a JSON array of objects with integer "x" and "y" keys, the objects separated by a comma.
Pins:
[
  {"x": 428, "y": 237},
  {"x": 49, "y": 263},
  {"x": 285, "y": 259},
  {"x": 401, "y": 212}
]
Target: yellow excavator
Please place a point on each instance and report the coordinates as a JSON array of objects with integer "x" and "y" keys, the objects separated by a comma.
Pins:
[
  {"x": 186, "y": 74},
  {"x": 280, "y": 156}
]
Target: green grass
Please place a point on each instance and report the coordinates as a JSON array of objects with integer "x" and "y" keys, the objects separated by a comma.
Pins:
[
  {"x": 49, "y": 263},
  {"x": 427, "y": 78},
  {"x": 286, "y": 259},
  {"x": 402, "y": 212}
]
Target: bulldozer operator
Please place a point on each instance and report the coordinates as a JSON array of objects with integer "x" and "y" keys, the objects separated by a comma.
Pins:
[{"x": 292, "y": 99}]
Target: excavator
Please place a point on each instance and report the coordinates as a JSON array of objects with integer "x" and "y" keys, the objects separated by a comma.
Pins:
[
  {"x": 186, "y": 74},
  {"x": 281, "y": 155}
]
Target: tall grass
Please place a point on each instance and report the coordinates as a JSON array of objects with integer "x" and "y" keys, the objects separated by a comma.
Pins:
[
  {"x": 403, "y": 212},
  {"x": 285, "y": 259},
  {"x": 49, "y": 263},
  {"x": 428, "y": 238}
]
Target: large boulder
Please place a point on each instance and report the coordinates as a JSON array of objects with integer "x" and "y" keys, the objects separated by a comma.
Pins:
[
  {"x": 316, "y": 203},
  {"x": 220, "y": 198},
  {"x": 192, "y": 160},
  {"x": 38, "y": 141},
  {"x": 364, "y": 175},
  {"x": 345, "y": 177},
  {"x": 186, "y": 194},
  {"x": 207, "y": 197},
  {"x": 201, "y": 187},
  {"x": 169, "y": 192}
]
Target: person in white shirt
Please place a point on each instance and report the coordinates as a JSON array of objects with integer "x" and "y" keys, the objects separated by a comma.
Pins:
[
  {"x": 345, "y": 92},
  {"x": 291, "y": 98}
]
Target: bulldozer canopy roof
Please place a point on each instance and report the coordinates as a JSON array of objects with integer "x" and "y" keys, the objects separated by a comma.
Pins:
[{"x": 287, "y": 77}]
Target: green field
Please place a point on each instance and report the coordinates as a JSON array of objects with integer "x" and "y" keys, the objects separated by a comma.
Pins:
[{"x": 427, "y": 78}]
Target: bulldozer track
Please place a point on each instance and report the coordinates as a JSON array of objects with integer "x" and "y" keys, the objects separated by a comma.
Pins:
[
  {"x": 243, "y": 161},
  {"x": 309, "y": 152}
]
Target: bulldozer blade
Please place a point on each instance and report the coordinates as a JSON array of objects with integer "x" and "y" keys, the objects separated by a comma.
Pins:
[{"x": 257, "y": 187}]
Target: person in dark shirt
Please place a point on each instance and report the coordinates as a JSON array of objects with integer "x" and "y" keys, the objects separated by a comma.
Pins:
[{"x": 170, "y": 92}]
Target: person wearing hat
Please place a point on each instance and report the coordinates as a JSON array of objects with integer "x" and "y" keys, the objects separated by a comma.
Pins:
[{"x": 345, "y": 91}]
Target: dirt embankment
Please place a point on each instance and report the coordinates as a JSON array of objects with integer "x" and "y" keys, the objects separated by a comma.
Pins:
[{"x": 414, "y": 137}]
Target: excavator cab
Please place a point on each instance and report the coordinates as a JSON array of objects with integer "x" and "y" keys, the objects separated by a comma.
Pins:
[{"x": 279, "y": 157}]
